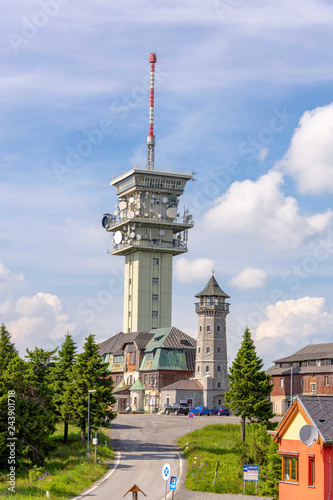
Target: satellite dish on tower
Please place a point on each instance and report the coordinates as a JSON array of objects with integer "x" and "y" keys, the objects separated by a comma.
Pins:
[{"x": 308, "y": 434}]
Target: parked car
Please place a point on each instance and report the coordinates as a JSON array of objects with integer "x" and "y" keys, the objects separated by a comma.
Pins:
[
  {"x": 219, "y": 410},
  {"x": 177, "y": 409},
  {"x": 200, "y": 410}
]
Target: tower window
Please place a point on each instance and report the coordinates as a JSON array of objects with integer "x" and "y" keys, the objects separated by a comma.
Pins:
[
  {"x": 199, "y": 350},
  {"x": 154, "y": 314},
  {"x": 200, "y": 329},
  {"x": 198, "y": 370},
  {"x": 207, "y": 369},
  {"x": 218, "y": 328},
  {"x": 219, "y": 385},
  {"x": 155, "y": 281},
  {"x": 208, "y": 350},
  {"x": 218, "y": 368},
  {"x": 219, "y": 350},
  {"x": 155, "y": 297},
  {"x": 155, "y": 262},
  {"x": 208, "y": 328}
]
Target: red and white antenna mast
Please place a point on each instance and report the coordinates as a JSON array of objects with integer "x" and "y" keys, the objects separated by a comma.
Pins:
[{"x": 150, "y": 136}]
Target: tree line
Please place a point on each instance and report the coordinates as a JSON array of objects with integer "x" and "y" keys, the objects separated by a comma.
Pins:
[{"x": 48, "y": 387}]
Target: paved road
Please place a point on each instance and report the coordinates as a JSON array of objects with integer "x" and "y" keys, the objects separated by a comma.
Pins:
[{"x": 143, "y": 444}]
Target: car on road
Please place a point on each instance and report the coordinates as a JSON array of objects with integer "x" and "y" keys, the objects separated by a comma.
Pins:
[
  {"x": 219, "y": 410},
  {"x": 177, "y": 409},
  {"x": 200, "y": 410}
]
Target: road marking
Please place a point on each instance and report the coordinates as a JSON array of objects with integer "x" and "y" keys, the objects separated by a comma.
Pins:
[{"x": 101, "y": 481}]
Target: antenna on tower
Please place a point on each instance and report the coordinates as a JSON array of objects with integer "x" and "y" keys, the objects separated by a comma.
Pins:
[{"x": 151, "y": 137}]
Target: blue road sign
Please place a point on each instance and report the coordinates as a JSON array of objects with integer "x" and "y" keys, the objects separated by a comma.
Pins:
[
  {"x": 250, "y": 472},
  {"x": 166, "y": 471},
  {"x": 173, "y": 482}
]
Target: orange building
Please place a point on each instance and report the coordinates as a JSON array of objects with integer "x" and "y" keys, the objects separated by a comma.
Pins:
[{"x": 307, "y": 464}]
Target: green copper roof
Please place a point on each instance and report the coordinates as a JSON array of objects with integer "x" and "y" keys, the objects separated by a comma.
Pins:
[
  {"x": 212, "y": 289},
  {"x": 164, "y": 359},
  {"x": 137, "y": 386},
  {"x": 121, "y": 387}
]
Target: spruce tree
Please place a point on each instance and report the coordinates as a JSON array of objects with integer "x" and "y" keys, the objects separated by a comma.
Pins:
[
  {"x": 249, "y": 386},
  {"x": 62, "y": 380},
  {"x": 7, "y": 348},
  {"x": 90, "y": 373}
]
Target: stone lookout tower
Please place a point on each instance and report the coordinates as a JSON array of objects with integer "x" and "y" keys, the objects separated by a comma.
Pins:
[{"x": 211, "y": 356}]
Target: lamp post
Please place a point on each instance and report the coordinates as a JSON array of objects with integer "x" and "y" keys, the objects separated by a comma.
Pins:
[{"x": 89, "y": 391}]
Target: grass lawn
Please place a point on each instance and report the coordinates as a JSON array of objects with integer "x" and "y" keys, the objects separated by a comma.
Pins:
[
  {"x": 208, "y": 445},
  {"x": 65, "y": 472}
]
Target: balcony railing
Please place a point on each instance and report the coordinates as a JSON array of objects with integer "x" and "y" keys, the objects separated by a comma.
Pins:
[
  {"x": 177, "y": 245},
  {"x": 212, "y": 306},
  {"x": 115, "y": 221}
]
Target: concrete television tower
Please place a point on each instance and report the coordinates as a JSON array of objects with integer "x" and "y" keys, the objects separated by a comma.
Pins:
[{"x": 148, "y": 230}]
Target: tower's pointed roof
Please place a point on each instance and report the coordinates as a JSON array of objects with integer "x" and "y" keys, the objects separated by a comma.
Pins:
[{"x": 212, "y": 289}]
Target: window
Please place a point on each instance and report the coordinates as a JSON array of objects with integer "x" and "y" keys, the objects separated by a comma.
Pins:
[
  {"x": 218, "y": 328},
  {"x": 146, "y": 378},
  {"x": 219, "y": 385},
  {"x": 208, "y": 350},
  {"x": 155, "y": 281},
  {"x": 281, "y": 382},
  {"x": 155, "y": 262},
  {"x": 154, "y": 314},
  {"x": 199, "y": 350},
  {"x": 150, "y": 356},
  {"x": 313, "y": 387},
  {"x": 209, "y": 301},
  {"x": 130, "y": 380},
  {"x": 130, "y": 281},
  {"x": 200, "y": 329},
  {"x": 155, "y": 297},
  {"x": 290, "y": 469},
  {"x": 318, "y": 362},
  {"x": 219, "y": 350},
  {"x": 208, "y": 328},
  {"x": 218, "y": 368},
  {"x": 129, "y": 298},
  {"x": 207, "y": 369},
  {"x": 326, "y": 380},
  {"x": 311, "y": 471},
  {"x": 118, "y": 359},
  {"x": 198, "y": 370},
  {"x": 301, "y": 381}
]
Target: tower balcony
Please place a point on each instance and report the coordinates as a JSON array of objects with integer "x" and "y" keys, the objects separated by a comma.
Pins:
[
  {"x": 202, "y": 307},
  {"x": 176, "y": 247},
  {"x": 178, "y": 223}
]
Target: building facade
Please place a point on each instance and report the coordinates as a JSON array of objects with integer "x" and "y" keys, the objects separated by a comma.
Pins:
[
  {"x": 307, "y": 372},
  {"x": 305, "y": 441}
]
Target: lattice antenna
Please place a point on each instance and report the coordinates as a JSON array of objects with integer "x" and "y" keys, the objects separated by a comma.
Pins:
[{"x": 151, "y": 137}]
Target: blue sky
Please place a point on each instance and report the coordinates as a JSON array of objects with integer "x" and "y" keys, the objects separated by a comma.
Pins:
[{"x": 243, "y": 98}]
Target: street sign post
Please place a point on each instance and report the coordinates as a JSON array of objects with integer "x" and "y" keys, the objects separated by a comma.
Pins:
[
  {"x": 191, "y": 416},
  {"x": 173, "y": 484},
  {"x": 251, "y": 473},
  {"x": 166, "y": 471}
]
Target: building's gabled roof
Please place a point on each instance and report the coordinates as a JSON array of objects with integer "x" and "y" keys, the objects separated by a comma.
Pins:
[
  {"x": 317, "y": 410},
  {"x": 117, "y": 342},
  {"x": 312, "y": 351},
  {"x": 170, "y": 338},
  {"x": 121, "y": 387},
  {"x": 184, "y": 385},
  {"x": 300, "y": 370},
  {"x": 137, "y": 386},
  {"x": 212, "y": 289}
]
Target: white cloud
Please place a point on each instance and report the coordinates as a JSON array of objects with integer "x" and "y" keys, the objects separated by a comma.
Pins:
[
  {"x": 260, "y": 210},
  {"x": 249, "y": 278},
  {"x": 262, "y": 154},
  {"x": 8, "y": 278},
  {"x": 39, "y": 320},
  {"x": 309, "y": 159},
  {"x": 302, "y": 318},
  {"x": 187, "y": 271},
  {"x": 291, "y": 325}
]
